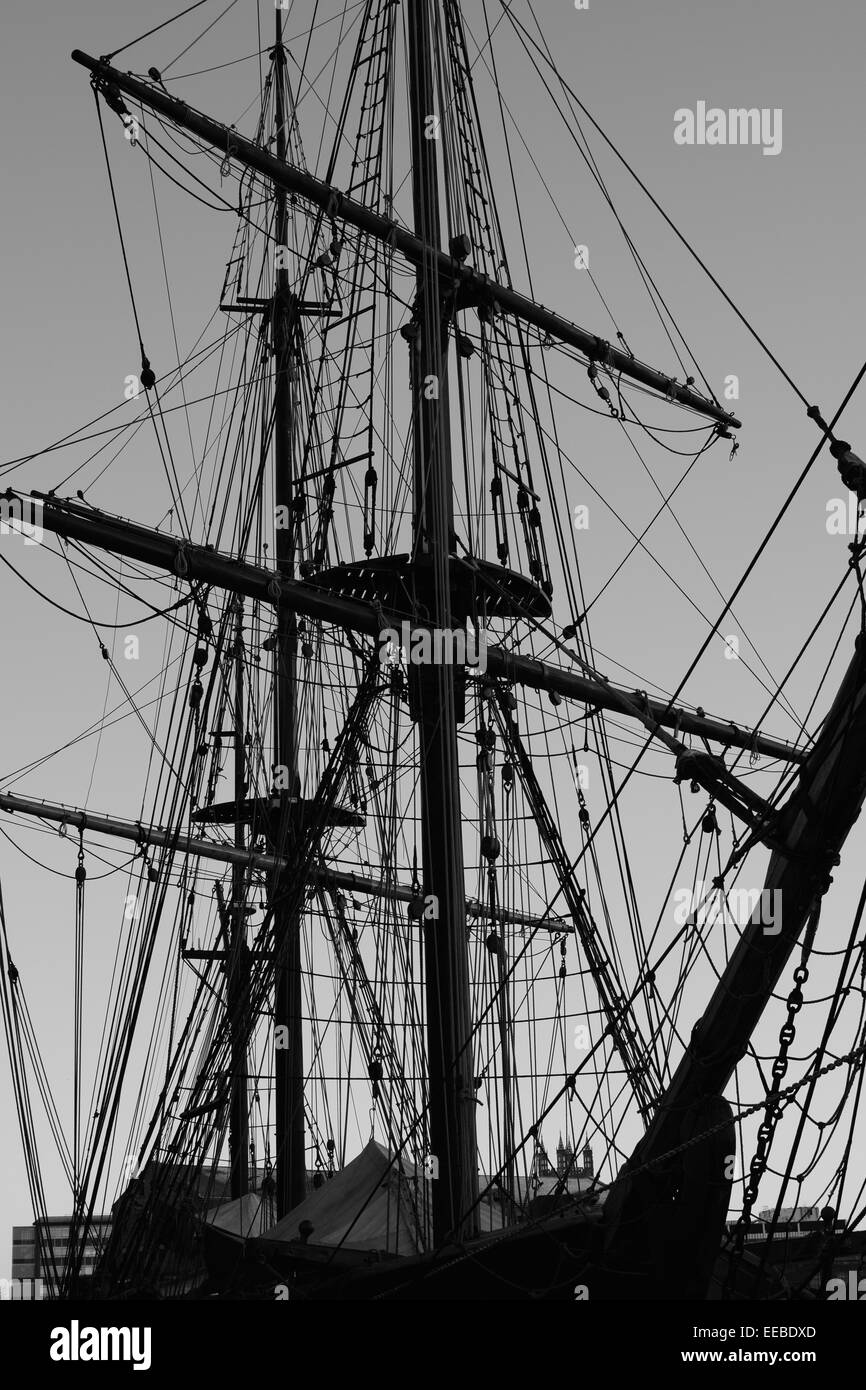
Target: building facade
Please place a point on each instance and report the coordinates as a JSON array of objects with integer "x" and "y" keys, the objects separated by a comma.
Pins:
[
  {"x": 40, "y": 1251},
  {"x": 566, "y": 1164}
]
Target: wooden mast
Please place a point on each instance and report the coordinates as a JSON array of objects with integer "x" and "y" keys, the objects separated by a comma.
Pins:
[
  {"x": 288, "y": 1061},
  {"x": 452, "y": 1104},
  {"x": 237, "y": 956},
  {"x": 450, "y": 1069},
  {"x": 812, "y": 828}
]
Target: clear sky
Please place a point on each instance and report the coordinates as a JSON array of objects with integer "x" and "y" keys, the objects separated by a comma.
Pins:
[{"x": 784, "y": 234}]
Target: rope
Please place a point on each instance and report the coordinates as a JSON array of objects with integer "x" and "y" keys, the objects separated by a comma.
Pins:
[
  {"x": 117, "y": 220},
  {"x": 691, "y": 250},
  {"x": 107, "y": 57},
  {"x": 156, "y": 613},
  {"x": 856, "y": 1055}
]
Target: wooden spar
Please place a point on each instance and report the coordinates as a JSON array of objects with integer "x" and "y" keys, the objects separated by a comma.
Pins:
[
  {"x": 807, "y": 833},
  {"x": 204, "y": 564},
  {"x": 344, "y": 879},
  {"x": 448, "y": 1022},
  {"x": 237, "y": 964},
  {"x": 814, "y": 823},
  {"x": 476, "y": 288},
  {"x": 291, "y": 1171}
]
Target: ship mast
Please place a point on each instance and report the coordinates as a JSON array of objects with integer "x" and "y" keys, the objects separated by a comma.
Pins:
[
  {"x": 808, "y": 834},
  {"x": 440, "y": 592},
  {"x": 450, "y": 1071},
  {"x": 237, "y": 960},
  {"x": 288, "y": 1061},
  {"x": 804, "y": 837}
]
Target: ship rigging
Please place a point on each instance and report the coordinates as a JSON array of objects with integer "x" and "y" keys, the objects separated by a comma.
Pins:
[{"x": 346, "y": 1096}]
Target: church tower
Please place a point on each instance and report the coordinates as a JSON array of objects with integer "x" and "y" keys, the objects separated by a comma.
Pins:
[{"x": 564, "y": 1159}]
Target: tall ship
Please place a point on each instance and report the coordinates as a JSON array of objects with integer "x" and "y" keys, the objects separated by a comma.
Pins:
[{"x": 422, "y": 948}]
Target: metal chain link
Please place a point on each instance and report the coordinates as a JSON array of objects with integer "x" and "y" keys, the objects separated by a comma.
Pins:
[
  {"x": 856, "y": 1055},
  {"x": 773, "y": 1105}
]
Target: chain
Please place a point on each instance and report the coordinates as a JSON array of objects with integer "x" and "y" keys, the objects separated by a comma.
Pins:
[
  {"x": 789, "y": 1092},
  {"x": 773, "y": 1107},
  {"x": 857, "y": 1055}
]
